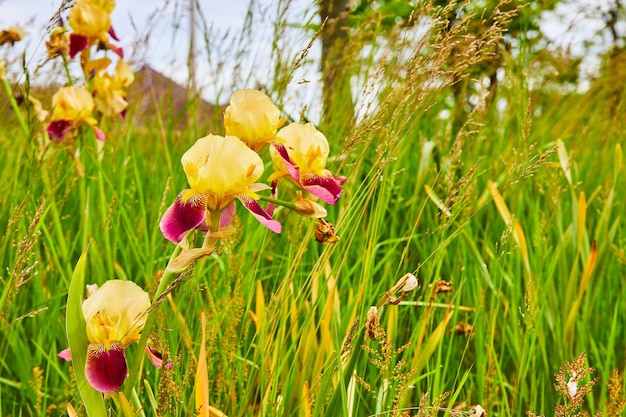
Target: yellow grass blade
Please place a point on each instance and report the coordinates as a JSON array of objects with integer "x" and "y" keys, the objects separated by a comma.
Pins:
[
  {"x": 518, "y": 231},
  {"x": 71, "y": 412},
  {"x": 564, "y": 160},
  {"x": 306, "y": 399},
  {"x": 520, "y": 238},
  {"x": 584, "y": 281},
  {"x": 581, "y": 220},
  {"x": 201, "y": 387},
  {"x": 499, "y": 201},
  {"x": 435, "y": 199},
  {"x": 259, "y": 306},
  {"x": 427, "y": 350}
]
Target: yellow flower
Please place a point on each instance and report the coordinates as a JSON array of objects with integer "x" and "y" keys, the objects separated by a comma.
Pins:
[
  {"x": 90, "y": 19},
  {"x": 300, "y": 153},
  {"x": 220, "y": 170},
  {"x": 253, "y": 118},
  {"x": 72, "y": 106},
  {"x": 307, "y": 147},
  {"x": 116, "y": 313},
  {"x": 110, "y": 96},
  {"x": 11, "y": 35},
  {"x": 59, "y": 42},
  {"x": 72, "y": 103}
]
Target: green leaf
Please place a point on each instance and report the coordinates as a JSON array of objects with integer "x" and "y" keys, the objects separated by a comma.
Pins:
[{"x": 77, "y": 337}]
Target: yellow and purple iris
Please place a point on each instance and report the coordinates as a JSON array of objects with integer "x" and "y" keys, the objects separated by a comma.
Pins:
[
  {"x": 72, "y": 106},
  {"x": 91, "y": 21},
  {"x": 115, "y": 315},
  {"x": 253, "y": 118},
  {"x": 220, "y": 170},
  {"x": 300, "y": 152}
]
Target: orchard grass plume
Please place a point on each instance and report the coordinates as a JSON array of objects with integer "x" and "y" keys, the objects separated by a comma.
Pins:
[{"x": 403, "y": 209}]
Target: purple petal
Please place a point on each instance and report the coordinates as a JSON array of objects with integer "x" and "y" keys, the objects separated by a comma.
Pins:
[
  {"x": 270, "y": 207},
  {"x": 57, "y": 129},
  {"x": 105, "y": 369},
  {"x": 117, "y": 50},
  {"x": 113, "y": 34},
  {"x": 227, "y": 215},
  {"x": 261, "y": 215},
  {"x": 65, "y": 354},
  {"x": 294, "y": 171},
  {"x": 78, "y": 43},
  {"x": 155, "y": 357},
  {"x": 180, "y": 218},
  {"x": 328, "y": 187},
  {"x": 99, "y": 133}
]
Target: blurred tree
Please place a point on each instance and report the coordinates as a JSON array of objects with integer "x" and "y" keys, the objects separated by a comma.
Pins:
[
  {"x": 338, "y": 113},
  {"x": 344, "y": 19}
]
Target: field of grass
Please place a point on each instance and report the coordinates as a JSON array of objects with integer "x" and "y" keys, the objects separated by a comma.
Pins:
[{"x": 513, "y": 224}]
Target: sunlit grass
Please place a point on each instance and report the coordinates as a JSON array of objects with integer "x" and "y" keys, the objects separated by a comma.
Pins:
[{"x": 513, "y": 226}]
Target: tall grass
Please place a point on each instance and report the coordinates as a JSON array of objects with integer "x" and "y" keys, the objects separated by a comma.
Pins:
[{"x": 520, "y": 212}]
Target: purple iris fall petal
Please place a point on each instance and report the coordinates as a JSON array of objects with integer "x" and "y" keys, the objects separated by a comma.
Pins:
[
  {"x": 180, "y": 218},
  {"x": 227, "y": 215},
  {"x": 78, "y": 43},
  {"x": 113, "y": 34},
  {"x": 261, "y": 215},
  {"x": 328, "y": 187},
  {"x": 106, "y": 369},
  {"x": 57, "y": 129},
  {"x": 293, "y": 170}
]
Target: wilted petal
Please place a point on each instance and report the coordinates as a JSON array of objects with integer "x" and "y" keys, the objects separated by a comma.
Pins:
[
  {"x": 261, "y": 215},
  {"x": 106, "y": 369},
  {"x": 326, "y": 187},
  {"x": 180, "y": 218}
]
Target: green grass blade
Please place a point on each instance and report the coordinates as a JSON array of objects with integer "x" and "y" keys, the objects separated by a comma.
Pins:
[{"x": 77, "y": 337}]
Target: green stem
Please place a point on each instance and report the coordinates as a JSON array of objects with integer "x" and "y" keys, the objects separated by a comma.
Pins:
[
  {"x": 283, "y": 203},
  {"x": 70, "y": 80},
  {"x": 15, "y": 107},
  {"x": 166, "y": 280}
]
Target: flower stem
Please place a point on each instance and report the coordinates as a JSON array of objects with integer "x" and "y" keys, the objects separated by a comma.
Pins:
[
  {"x": 283, "y": 203},
  {"x": 166, "y": 280},
  {"x": 15, "y": 107}
]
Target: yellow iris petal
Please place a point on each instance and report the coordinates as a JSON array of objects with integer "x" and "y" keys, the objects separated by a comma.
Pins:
[
  {"x": 116, "y": 312},
  {"x": 252, "y": 117},
  {"x": 221, "y": 167}
]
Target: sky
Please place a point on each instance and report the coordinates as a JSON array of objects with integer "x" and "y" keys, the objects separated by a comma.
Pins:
[{"x": 166, "y": 49}]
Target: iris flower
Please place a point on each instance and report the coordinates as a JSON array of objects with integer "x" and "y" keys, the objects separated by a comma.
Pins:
[
  {"x": 220, "y": 170},
  {"x": 109, "y": 90},
  {"x": 91, "y": 21},
  {"x": 115, "y": 315},
  {"x": 72, "y": 106},
  {"x": 253, "y": 118},
  {"x": 11, "y": 35},
  {"x": 300, "y": 153}
]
